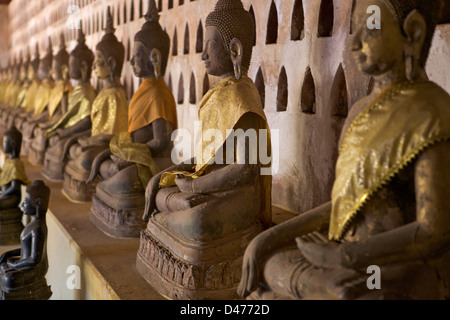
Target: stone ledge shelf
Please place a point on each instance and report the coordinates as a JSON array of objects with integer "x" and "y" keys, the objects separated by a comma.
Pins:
[{"x": 107, "y": 265}]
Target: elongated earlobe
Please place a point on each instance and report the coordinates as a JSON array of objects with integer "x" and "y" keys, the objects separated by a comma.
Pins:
[
  {"x": 155, "y": 58},
  {"x": 236, "y": 50},
  {"x": 112, "y": 68},
  {"x": 415, "y": 28}
]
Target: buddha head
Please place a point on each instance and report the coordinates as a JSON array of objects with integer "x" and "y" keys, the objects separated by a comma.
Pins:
[
  {"x": 45, "y": 64},
  {"x": 80, "y": 60},
  {"x": 109, "y": 53},
  {"x": 60, "y": 62},
  {"x": 12, "y": 142},
  {"x": 33, "y": 66},
  {"x": 229, "y": 39},
  {"x": 402, "y": 44},
  {"x": 151, "y": 46},
  {"x": 36, "y": 200}
]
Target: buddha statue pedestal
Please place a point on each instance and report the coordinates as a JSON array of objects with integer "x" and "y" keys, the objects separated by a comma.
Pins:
[
  {"x": 10, "y": 226},
  {"x": 38, "y": 290},
  {"x": 190, "y": 269}
]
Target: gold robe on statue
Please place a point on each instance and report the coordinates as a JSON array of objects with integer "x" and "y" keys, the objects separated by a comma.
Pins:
[
  {"x": 389, "y": 134},
  {"x": 30, "y": 98},
  {"x": 13, "y": 169},
  {"x": 56, "y": 95},
  {"x": 79, "y": 107},
  {"x": 220, "y": 109},
  {"x": 153, "y": 100},
  {"x": 43, "y": 96},
  {"x": 22, "y": 94},
  {"x": 110, "y": 112}
]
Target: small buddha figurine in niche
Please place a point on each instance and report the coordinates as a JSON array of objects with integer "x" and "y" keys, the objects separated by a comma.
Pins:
[
  {"x": 57, "y": 104},
  {"x": 42, "y": 99},
  {"x": 12, "y": 177},
  {"x": 109, "y": 116},
  {"x": 135, "y": 156},
  {"x": 27, "y": 110},
  {"x": 23, "y": 270},
  {"x": 201, "y": 216},
  {"x": 76, "y": 121},
  {"x": 390, "y": 199}
]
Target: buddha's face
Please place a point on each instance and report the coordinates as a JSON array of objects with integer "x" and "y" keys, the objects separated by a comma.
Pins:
[
  {"x": 216, "y": 58},
  {"x": 28, "y": 206},
  {"x": 377, "y": 51},
  {"x": 140, "y": 61},
  {"x": 101, "y": 67}
]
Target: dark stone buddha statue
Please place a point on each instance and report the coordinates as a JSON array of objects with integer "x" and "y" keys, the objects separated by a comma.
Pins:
[
  {"x": 390, "y": 199},
  {"x": 41, "y": 101},
  {"x": 109, "y": 116},
  {"x": 76, "y": 122},
  {"x": 135, "y": 156},
  {"x": 57, "y": 104},
  {"x": 201, "y": 215},
  {"x": 23, "y": 270},
  {"x": 12, "y": 177}
]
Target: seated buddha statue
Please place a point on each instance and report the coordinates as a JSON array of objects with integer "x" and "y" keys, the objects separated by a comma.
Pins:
[
  {"x": 11, "y": 92},
  {"x": 109, "y": 116},
  {"x": 21, "y": 94},
  {"x": 12, "y": 177},
  {"x": 23, "y": 270},
  {"x": 201, "y": 216},
  {"x": 390, "y": 200},
  {"x": 27, "y": 107},
  {"x": 42, "y": 99},
  {"x": 135, "y": 156},
  {"x": 57, "y": 104},
  {"x": 76, "y": 121}
]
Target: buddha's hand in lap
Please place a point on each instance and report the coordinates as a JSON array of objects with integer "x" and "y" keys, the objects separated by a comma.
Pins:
[
  {"x": 319, "y": 251},
  {"x": 184, "y": 183}
]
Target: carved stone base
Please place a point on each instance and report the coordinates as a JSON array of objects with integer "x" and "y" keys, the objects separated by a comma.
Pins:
[
  {"x": 118, "y": 223},
  {"x": 10, "y": 226},
  {"x": 77, "y": 191},
  {"x": 188, "y": 270},
  {"x": 38, "y": 290}
]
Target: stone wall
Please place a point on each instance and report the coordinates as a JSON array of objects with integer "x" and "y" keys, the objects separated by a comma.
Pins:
[{"x": 301, "y": 64}]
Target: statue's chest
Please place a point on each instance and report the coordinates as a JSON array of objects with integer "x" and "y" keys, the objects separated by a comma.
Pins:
[{"x": 391, "y": 207}]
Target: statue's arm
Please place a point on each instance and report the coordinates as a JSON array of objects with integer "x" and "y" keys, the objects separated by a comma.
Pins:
[
  {"x": 13, "y": 188},
  {"x": 9, "y": 254},
  {"x": 278, "y": 236},
  {"x": 82, "y": 125},
  {"x": 427, "y": 237},
  {"x": 35, "y": 253},
  {"x": 161, "y": 136},
  {"x": 152, "y": 187}
]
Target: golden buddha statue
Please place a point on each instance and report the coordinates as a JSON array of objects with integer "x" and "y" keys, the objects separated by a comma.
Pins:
[
  {"x": 23, "y": 270},
  {"x": 12, "y": 177},
  {"x": 27, "y": 108},
  {"x": 135, "y": 156},
  {"x": 11, "y": 92},
  {"x": 109, "y": 116},
  {"x": 76, "y": 121},
  {"x": 42, "y": 99},
  {"x": 57, "y": 104},
  {"x": 390, "y": 198},
  {"x": 201, "y": 216}
]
